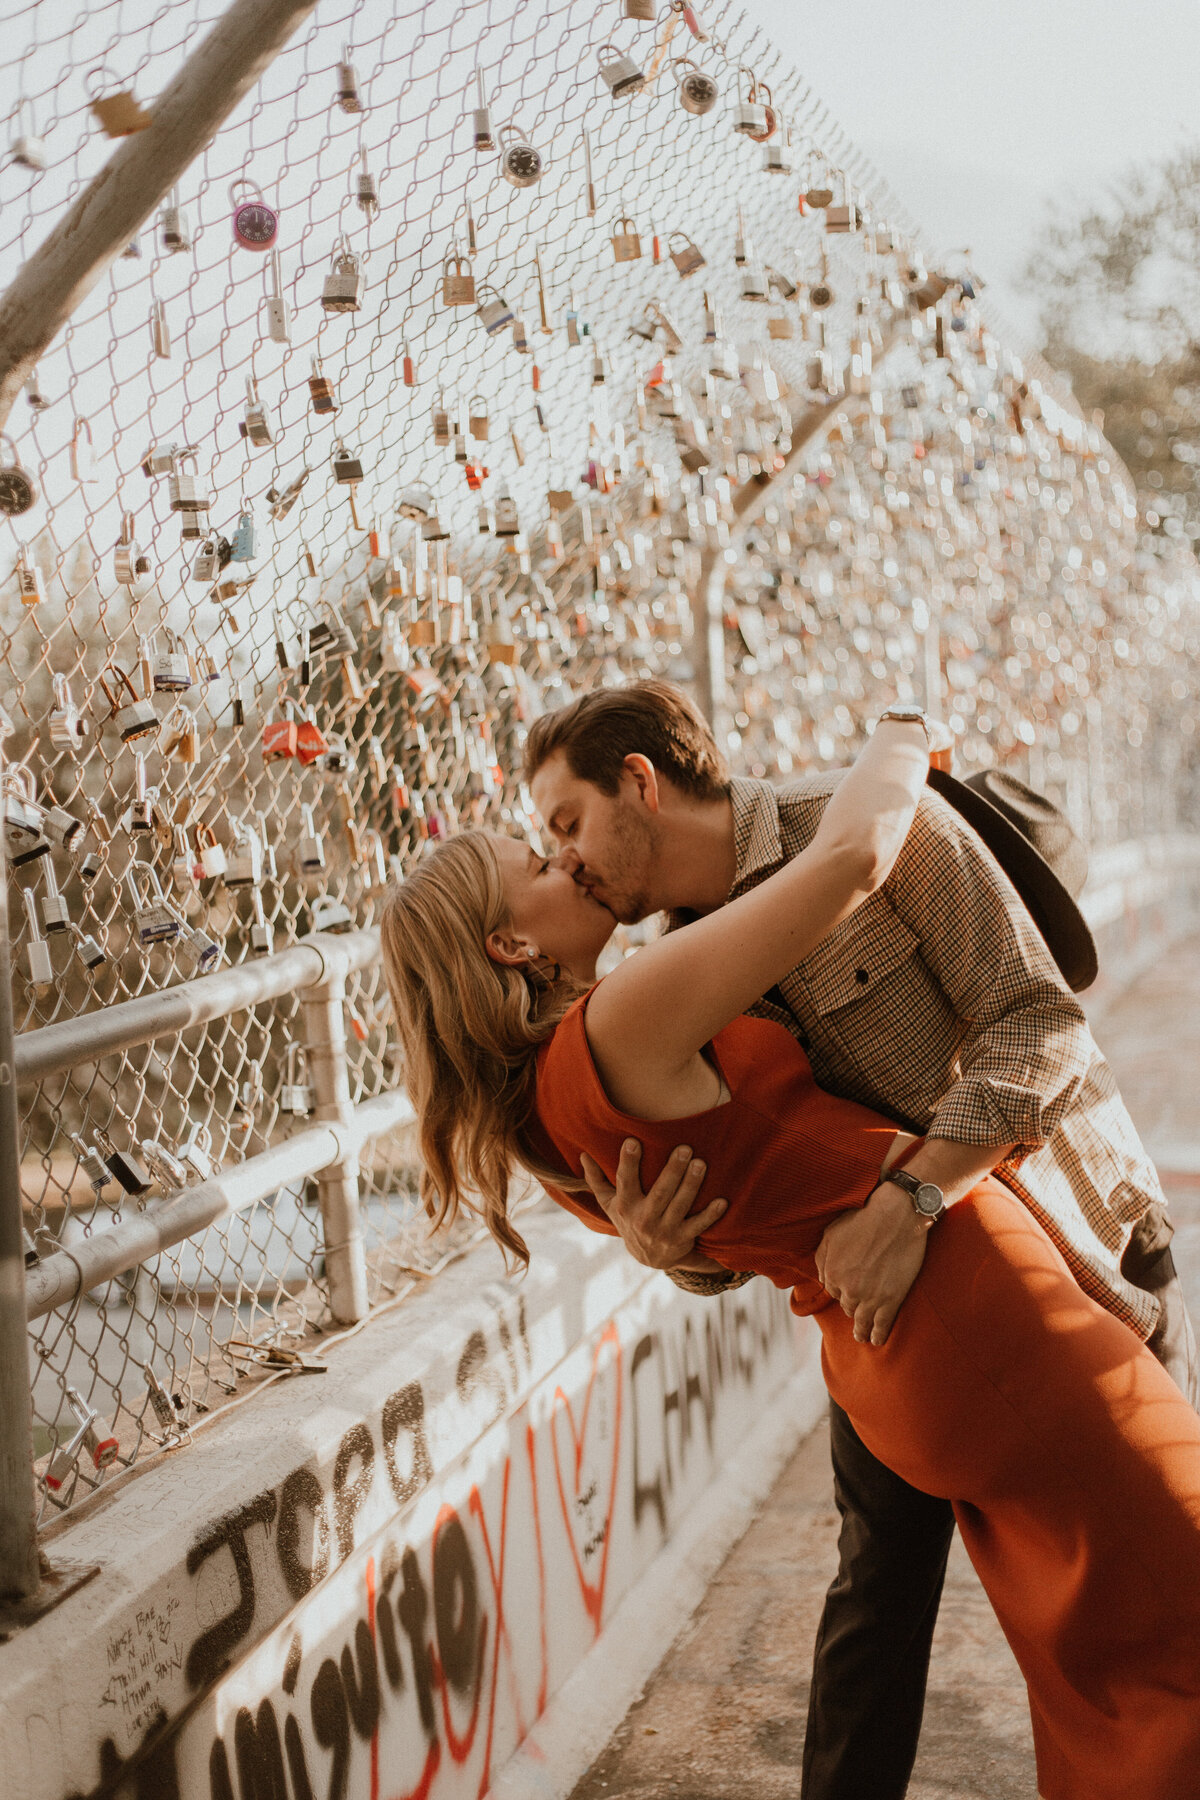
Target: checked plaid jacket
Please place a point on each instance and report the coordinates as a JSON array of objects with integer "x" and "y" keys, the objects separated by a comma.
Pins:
[{"x": 938, "y": 1004}]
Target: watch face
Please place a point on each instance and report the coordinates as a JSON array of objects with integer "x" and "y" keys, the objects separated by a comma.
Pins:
[{"x": 928, "y": 1198}]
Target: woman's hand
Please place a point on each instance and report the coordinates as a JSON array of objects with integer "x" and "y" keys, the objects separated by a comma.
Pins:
[
  {"x": 654, "y": 1225},
  {"x": 941, "y": 746}
]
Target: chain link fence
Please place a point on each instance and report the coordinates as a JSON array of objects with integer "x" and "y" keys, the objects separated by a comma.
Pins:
[{"x": 487, "y": 353}]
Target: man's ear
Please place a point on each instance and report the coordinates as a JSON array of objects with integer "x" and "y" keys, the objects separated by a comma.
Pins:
[
  {"x": 644, "y": 775},
  {"x": 503, "y": 946}
]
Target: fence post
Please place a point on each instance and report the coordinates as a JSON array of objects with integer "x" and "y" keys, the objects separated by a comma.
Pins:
[
  {"x": 323, "y": 1012},
  {"x": 19, "y": 1576}
]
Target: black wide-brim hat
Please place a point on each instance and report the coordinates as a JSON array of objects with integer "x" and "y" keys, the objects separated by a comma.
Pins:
[{"x": 1040, "y": 853}]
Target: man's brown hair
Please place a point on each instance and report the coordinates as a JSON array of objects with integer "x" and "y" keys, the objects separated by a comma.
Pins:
[{"x": 650, "y": 718}]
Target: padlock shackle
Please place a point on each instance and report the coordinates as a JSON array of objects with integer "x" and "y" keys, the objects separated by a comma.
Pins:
[
  {"x": 244, "y": 181},
  {"x": 100, "y": 69}
]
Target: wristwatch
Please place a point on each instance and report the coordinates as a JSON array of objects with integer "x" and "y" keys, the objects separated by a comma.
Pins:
[
  {"x": 908, "y": 715},
  {"x": 928, "y": 1200}
]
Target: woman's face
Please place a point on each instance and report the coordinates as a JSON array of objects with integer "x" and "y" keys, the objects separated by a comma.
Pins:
[{"x": 551, "y": 911}]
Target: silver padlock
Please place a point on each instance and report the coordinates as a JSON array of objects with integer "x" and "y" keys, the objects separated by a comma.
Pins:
[
  {"x": 507, "y": 523},
  {"x": 62, "y": 828},
  {"x": 160, "y": 330},
  {"x": 91, "y": 1162},
  {"x": 619, "y": 73},
  {"x": 348, "y": 97},
  {"x": 154, "y": 920},
  {"x": 279, "y": 313},
  {"x": 749, "y": 114},
  {"x": 213, "y": 860},
  {"x": 67, "y": 729},
  {"x": 23, "y": 817},
  {"x": 166, "y": 1168},
  {"x": 777, "y": 155},
  {"x": 333, "y": 915},
  {"x": 199, "y": 950},
  {"x": 520, "y": 163},
  {"x": 206, "y": 562},
  {"x": 244, "y": 862},
  {"x": 31, "y": 589},
  {"x": 262, "y": 933},
  {"x": 493, "y": 314},
  {"x": 175, "y": 225},
  {"x": 37, "y": 950},
  {"x": 186, "y": 492},
  {"x": 141, "y": 814},
  {"x": 28, "y": 148},
  {"x": 343, "y": 289},
  {"x": 196, "y": 1152},
  {"x": 250, "y": 1089},
  {"x": 18, "y": 490},
  {"x": 258, "y": 425},
  {"x": 754, "y": 283},
  {"x": 88, "y": 953},
  {"x": 310, "y": 854},
  {"x": 54, "y": 907},
  {"x": 161, "y": 459},
  {"x": 127, "y": 558},
  {"x": 366, "y": 194},
  {"x": 482, "y": 134},
  {"x": 295, "y": 1095},
  {"x": 171, "y": 669},
  {"x": 697, "y": 89}
]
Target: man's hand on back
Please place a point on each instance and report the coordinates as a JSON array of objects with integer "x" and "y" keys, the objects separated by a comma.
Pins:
[
  {"x": 867, "y": 1260},
  {"x": 654, "y": 1225}
]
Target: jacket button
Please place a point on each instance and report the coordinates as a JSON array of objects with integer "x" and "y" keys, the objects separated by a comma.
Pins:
[{"x": 861, "y": 975}]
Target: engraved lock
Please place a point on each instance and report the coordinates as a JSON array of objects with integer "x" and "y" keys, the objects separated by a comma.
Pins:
[
  {"x": 82, "y": 452},
  {"x": 366, "y": 194},
  {"x": 697, "y": 90},
  {"x": 619, "y": 73},
  {"x": 482, "y": 134},
  {"x": 67, "y": 729},
  {"x": 324, "y": 398},
  {"x": 687, "y": 256},
  {"x": 749, "y": 114},
  {"x": 127, "y": 557},
  {"x": 117, "y": 110},
  {"x": 185, "y": 491},
  {"x": 55, "y": 917},
  {"x": 18, "y": 490},
  {"x": 348, "y": 97},
  {"x": 295, "y": 1095},
  {"x": 174, "y": 224},
  {"x": 279, "y": 312},
  {"x": 28, "y": 148},
  {"x": 258, "y": 425},
  {"x": 458, "y": 283},
  {"x": 494, "y": 315},
  {"x": 262, "y": 932},
  {"x": 310, "y": 854},
  {"x": 211, "y": 853},
  {"x": 30, "y": 587},
  {"x": 255, "y": 224},
  {"x": 154, "y": 920},
  {"x": 244, "y": 545},
  {"x": 520, "y": 163},
  {"x": 347, "y": 468},
  {"x": 343, "y": 289},
  {"x": 170, "y": 669},
  {"x": 627, "y": 245},
  {"x": 205, "y": 561},
  {"x": 37, "y": 950}
]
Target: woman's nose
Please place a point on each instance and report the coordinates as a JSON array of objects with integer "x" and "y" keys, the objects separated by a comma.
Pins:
[{"x": 568, "y": 860}]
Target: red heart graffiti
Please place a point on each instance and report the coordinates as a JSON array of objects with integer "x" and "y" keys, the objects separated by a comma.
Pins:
[{"x": 592, "y": 1591}]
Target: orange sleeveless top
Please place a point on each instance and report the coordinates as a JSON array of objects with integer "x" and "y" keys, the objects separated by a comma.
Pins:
[{"x": 787, "y": 1156}]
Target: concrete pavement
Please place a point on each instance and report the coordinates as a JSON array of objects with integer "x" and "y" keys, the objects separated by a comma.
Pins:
[{"x": 723, "y": 1718}]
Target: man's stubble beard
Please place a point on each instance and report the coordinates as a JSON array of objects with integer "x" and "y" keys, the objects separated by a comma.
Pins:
[{"x": 627, "y": 892}]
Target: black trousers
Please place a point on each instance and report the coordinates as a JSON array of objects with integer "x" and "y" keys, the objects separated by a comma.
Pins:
[{"x": 871, "y": 1660}]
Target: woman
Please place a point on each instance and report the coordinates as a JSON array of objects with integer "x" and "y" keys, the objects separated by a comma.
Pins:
[{"x": 1072, "y": 1460}]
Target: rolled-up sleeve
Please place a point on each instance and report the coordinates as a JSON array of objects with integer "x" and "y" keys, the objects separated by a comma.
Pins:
[{"x": 1026, "y": 1047}]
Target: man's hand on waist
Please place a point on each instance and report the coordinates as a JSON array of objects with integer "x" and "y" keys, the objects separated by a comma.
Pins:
[{"x": 654, "y": 1225}]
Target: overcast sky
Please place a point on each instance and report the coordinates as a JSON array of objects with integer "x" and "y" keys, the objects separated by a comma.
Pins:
[{"x": 980, "y": 111}]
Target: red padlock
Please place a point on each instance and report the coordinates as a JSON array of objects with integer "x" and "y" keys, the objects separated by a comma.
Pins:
[
  {"x": 255, "y": 224},
  {"x": 280, "y": 737},
  {"x": 409, "y": 368},
  {"x": 476, "y": 474},
  {"x": 311, "y": 741}
]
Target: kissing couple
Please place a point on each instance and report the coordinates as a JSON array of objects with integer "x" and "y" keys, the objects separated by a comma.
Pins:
[{"x": 893, "y": 1107}]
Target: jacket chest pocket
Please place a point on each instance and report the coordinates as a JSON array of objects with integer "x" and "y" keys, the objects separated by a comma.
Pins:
[{"x": 856, "y": 959}]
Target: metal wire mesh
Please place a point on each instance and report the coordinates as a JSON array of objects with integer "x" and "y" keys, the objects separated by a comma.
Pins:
[{"x": 536, "y": 503}]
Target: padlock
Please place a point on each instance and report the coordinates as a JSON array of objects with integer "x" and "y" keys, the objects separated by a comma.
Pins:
[
  {"x": 28, "y": 148},
  {"x": 443, "y": 424},
  {"x": 477, "y": 418},
  {"x": 140, "y": 816},
  {"x": 30, "y": 587},
  {"x": 255, "y": 224},
  {"x": 82, "y": 452},
  {"x": 520, "y": 337},
  {"x": 507, "y": 524},
  {"x": 687, "y": 256},
  {"x": 123, "y": 1165},
  {"x": 118, "y": 112},
  {"x": 627, "y": 245},
  {"x": 408, "y": 365},
  {"x": 175, "y": 225},
  {"x": 127, "y": 555},
  {"x": 713, "y": 323},
  {"x": 204, "y": 563},
  {"x": 620, "y": 74},
  {"x": 366, "y": 194},
  {"x": 520, "y": 163},
  {"x": 161, "y": 459},
  {"x": 599, "y": 368},
  {"x": 347, "y": 96},
  {"x": 820, "y": 294},
  {"x": 642, "y": 10},
  {"x": 195, "y": 1152},
  {"x": 54, "y": 907},
  {"x": 243, "y": 867},
  {"x": 818, "y": 193},
  {"x": 165, "y": 1167},
  {"x": 753, "y": 284},
  {"x": 181, "y": 735},
  {"x": 244, "y": 545},
  {"x": 295, "y": 1095},
  {"x": 279, "y": 312},
  {"x": 310, "y": 853},
  {"x": 186, "y": 492},
  {"x": 499, "y": 643},
  {"x": 91, "y": 1162},
  {"x": 211, "y": 853},
  {"x": 347, "y": 468},
  {"x": 155, "y": 922},
  {"x": 482, "y": 134},
  {"x": 37, "y": 950},
  {"x": 433, "y": 531},
  {"x": 476, "y": 474},
  {"x": 67, "y": 729},
  {"x": 262, "y": 933},
  {"x": 18, "y": 490},
  {"x": 777, "y": 157},
  {"x": 750, "y": 115},
  {"x": 458, "y": 283},
  {"x": 259, "y": 423},
  {"x": 324, "y": 398},
  {"x": 780, "y": 325},
  {"x": 697, "y": 89},
  {"x": 343, "y": 289},
  {"x": 88, "y": 953},
  {"x": 329, "y": 914},
  {"x": 311, "y": 742},
  {"x": 61, "y": 827},
  {"x": 494, "y": 315},
  {"x": 843, "y": 218},
  {"x": 186, "y": 872},
  {"x": 136, "y": 717},
  {"x": 160, "y": 330}
]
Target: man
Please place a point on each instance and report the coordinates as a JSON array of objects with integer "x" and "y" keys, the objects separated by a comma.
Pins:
[{"x": 937, "y": 1003}]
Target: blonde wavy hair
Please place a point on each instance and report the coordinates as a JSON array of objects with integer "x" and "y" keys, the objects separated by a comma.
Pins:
[{"x": 469, "y": 1029}]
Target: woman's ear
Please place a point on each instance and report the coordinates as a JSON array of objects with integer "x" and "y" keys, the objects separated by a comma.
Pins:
[{"x": 504, "y": 947}]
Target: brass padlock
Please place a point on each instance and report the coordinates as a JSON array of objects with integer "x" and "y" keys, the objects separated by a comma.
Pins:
[
  {"x": 619, "y": 73},
  {"x": 780, "y": 325},
  {"x": 119, "y": 112},
  {"x": 477, "y": 418},
  {"x": 697, "y": 90},
  {"x": 321, "y": 389},
  {"x": 18, "y": 490},
  {"x": 343, "y": 289},
  {"x": 30, "y": 586},
  {"x": 642, "y": 10},
  {"x": 520, "y": 163},
  {"x": 181, "y": 735},
  {"x": 347, "y": 468},
  {"x": 458, "y": 283},
  {"x": 258, "y": 425},
  {"x": 627, "y": 245},
  {"x": 687, "y": 256}
]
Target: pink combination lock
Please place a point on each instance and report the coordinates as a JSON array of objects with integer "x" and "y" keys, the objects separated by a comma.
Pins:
[{"x": 255, "y": 224}]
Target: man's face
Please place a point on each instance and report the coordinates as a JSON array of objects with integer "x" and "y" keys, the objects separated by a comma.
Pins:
[{"x": 606, "y": 840}]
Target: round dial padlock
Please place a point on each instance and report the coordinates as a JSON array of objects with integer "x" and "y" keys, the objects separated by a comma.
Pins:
[{"x": 255, "y": 224}]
